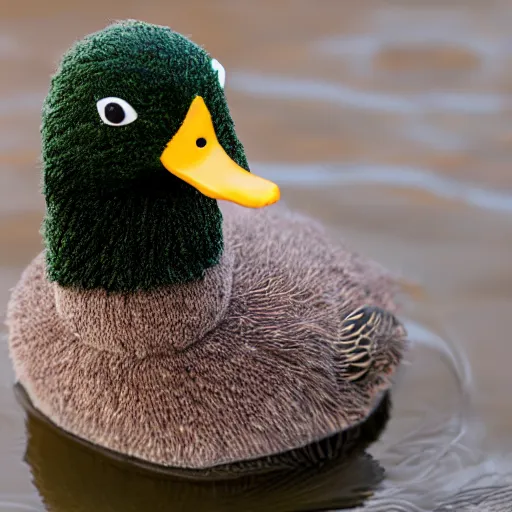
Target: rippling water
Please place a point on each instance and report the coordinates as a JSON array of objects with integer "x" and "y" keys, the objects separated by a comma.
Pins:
[{"x": 389, "y": 121}]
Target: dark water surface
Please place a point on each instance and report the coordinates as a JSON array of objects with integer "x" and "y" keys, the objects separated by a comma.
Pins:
[{"x": 391, "y": 121}]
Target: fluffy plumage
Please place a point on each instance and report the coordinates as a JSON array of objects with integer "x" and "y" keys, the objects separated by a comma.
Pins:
[{"x": 266, "y": 377}]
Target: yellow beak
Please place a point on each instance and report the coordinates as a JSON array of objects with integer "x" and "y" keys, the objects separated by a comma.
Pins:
[{"x": 195, "y": 156}]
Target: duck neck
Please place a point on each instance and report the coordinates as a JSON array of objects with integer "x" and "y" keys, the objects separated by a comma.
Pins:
[{"x": 131, "y": 242}]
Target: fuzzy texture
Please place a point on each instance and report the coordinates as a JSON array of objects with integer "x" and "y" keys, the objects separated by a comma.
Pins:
[
  {"x": 330, "y": 450},
  {"x": 116, "y": 219},
  {"x": 149, "y": 322},
  {"x": 270, "y": 377}
]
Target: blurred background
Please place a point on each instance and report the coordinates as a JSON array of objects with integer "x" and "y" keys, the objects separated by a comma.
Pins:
[{"x": 388, "y": 120}]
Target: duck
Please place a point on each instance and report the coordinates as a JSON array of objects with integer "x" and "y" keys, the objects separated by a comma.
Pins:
[{"x": 179, "y": 315}]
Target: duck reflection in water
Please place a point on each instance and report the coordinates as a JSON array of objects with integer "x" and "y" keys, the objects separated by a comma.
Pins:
[{"x": 72, "y": 474}]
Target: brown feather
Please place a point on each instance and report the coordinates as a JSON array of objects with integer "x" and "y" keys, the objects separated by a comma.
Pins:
[{"x": 241, "y": 365}]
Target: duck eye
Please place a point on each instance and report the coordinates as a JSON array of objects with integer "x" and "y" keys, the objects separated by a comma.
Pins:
[
  {"x": 221, "y": 72},
  {"x": 116, "y": 111}
]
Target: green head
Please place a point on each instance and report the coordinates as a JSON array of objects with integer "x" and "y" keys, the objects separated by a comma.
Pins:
[{"x": 138, "y": 144}]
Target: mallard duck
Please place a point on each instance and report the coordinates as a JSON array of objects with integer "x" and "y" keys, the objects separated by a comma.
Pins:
[{"x": 161, "y": 325}]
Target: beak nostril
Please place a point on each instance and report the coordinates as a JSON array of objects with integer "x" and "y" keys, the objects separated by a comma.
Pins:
[{"x": 201, "y": 142}]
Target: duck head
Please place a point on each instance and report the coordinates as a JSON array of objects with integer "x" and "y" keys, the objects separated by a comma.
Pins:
[{"x": 138, "y": 144}]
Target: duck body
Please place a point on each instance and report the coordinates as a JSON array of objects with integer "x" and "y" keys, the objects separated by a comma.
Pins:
[
  {"x": 165, "y": 328},
  {"x": 239, "y": 365}
]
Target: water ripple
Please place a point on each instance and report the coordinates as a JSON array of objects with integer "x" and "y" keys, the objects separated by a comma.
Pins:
[
  {"x": 301, "y": 175},
  {"x": 367, "y": 46},
  {"x": 278, "y": 86},
  {"x": 31, "y": 102},
  {"x": 17, "y": 502},
  {"x": 444, "y": 455}
]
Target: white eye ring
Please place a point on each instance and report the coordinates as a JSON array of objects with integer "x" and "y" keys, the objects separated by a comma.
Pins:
[
  {"x": 119, "y": 112},
  {"x": 221, "y": 72}
]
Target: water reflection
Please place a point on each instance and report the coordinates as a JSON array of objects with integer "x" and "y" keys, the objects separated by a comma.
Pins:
[{"x": 72, "y": 476}]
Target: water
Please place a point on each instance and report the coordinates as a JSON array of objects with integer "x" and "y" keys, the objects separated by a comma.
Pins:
[{"x": 391, "y": 123}]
